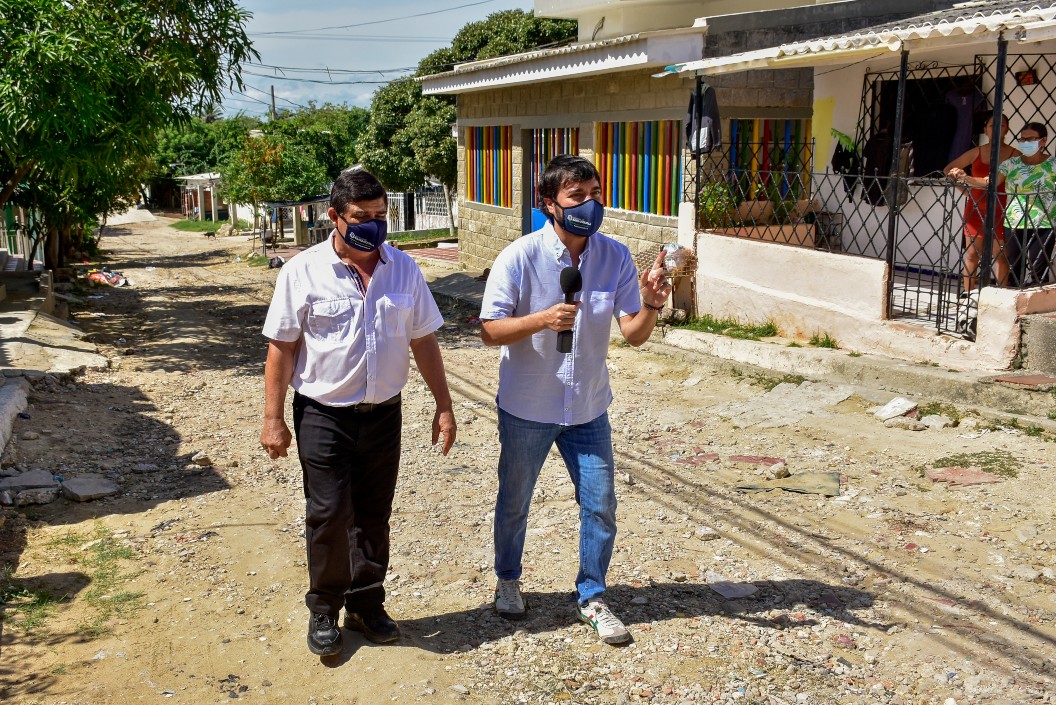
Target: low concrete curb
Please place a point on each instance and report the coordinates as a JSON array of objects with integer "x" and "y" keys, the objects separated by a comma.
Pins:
[
  {"x": 13, "y": 400},
  {"x": 919, "y": 381}
]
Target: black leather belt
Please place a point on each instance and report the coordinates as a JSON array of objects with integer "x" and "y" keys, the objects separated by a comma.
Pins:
[{"x": 366, "y": 407}]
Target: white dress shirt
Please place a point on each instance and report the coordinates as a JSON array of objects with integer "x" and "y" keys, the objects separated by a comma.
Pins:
[
  {"x": 536, "y": 382},
  {"x": 355, "y": 348}
]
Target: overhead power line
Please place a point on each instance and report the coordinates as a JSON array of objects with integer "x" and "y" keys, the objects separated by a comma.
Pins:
[
  {"x": 361, "y": 38},
  {"x": 364, "y": 24},
  {"x": 268, "y": 94},
  {"x": 316, "y": 80},
  {"x": 328, "y": 70}
]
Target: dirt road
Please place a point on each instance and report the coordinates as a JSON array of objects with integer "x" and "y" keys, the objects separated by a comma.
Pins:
[{"x": 187, "y": 587}]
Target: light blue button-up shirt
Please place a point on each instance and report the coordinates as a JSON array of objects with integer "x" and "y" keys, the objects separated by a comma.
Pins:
[{"x": 536, "y": 382}]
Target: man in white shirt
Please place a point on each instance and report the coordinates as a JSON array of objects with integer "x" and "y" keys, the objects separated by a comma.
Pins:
[
  {"x": 345, "y": 318},
  {"x": 546, "y": 396}
]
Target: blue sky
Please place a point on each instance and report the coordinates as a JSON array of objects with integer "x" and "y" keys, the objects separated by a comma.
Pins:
[{"x": 378, "y": 47}]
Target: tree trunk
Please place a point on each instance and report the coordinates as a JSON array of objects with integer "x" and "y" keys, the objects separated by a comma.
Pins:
[
  {"x": 452, "y": 225},
  {"x": 65, "y": 242},
  {"x": 51, "y": 249},
  {"x": 16, "y": 179}
]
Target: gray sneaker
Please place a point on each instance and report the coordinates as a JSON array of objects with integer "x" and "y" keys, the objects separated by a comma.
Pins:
[
  {"x": 608, "y": 626},
  {"x": 508, "y": 601}
]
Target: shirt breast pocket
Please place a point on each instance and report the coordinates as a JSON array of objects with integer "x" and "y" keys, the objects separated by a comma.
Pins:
[
  {"x": 395, "y": 310},
  {"x": 600, "y": 307},
  {"x": 330, "y": 320}
]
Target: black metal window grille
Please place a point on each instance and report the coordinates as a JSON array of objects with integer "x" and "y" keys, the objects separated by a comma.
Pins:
[{"x": 915, "y": 220}]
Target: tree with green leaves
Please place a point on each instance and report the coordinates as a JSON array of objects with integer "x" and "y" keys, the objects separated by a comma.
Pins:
[
  {"x": 409, "y": 136},
  {"x": 328, "y": 131},
  {"x": 85, "y": 83},
  {"x": 268, "y": 169}
]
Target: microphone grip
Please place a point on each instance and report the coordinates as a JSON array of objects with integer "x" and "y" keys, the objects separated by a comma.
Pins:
[{"x": 564, "y": 338}]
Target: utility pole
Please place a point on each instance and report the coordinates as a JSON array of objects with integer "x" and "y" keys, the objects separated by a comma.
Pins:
[{"x": 273, "y": 102}]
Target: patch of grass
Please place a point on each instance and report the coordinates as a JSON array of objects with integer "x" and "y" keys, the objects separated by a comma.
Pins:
[
  {"x": 998, "y": 462},
  {"x": 730, "y": 327},
  {"x": 794, "y": 344},
  {"x": 103, "y": 561},
  {"x": 257, "y": 260},
  {"x": 1016, "y": 411},
  {"x": 823, "y": 340},
  {"x": 435, "y": 233},
  {"x": 29, "y": 607},
  {"x": 1033, "y": 431},
  {"x": 1051, "y": 415},
  {"x": 197, "y": 226},
  {"x": 854, "y": 354},
  {"x": 768, "y": 383},
  {"x": 922, "y": 488},
  {"x": 938, "y": 408}
]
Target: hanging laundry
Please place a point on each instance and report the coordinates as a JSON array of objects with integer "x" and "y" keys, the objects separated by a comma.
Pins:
[{"x": 703, "y": 129}]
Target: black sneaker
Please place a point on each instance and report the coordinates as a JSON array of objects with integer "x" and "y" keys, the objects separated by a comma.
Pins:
[
  {"x": 375, "y": 624},
  {"x": 324, "y": 638}
]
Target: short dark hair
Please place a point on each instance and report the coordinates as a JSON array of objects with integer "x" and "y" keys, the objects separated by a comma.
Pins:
[
  {"x": 562, "y": 170},
  {"x": 1042, "y": 131},
  {"x": 355, "y": 185}
]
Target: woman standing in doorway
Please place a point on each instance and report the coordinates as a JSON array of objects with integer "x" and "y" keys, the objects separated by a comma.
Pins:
[{"x": 975, "y": 209}]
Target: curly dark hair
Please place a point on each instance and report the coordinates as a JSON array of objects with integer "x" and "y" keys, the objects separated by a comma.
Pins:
[{"x": 562, "y": 170}]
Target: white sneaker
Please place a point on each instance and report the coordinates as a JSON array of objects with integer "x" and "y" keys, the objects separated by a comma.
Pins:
[
  {"x": 608, "y": 626},
  {"x": 508, "y": 601}
]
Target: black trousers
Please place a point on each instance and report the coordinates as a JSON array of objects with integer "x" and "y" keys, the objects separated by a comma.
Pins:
[
  {"x": 349, "y": 461},
  {"x": 1029, "y": 253}
]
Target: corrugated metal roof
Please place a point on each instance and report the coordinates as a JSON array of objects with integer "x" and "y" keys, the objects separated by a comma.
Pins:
[
  {"x": 964, "y": 18},
  {"x": 984, "y": 17},
  {"x": 532, "y": 55}
]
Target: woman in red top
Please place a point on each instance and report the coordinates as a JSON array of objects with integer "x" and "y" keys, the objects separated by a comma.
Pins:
[{"x": 975, "y": 208}]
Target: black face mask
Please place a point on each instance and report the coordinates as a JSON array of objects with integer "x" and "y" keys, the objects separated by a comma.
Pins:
[
  {"x": 366, "y": 236},
  {"x": 583, "y": 219}
]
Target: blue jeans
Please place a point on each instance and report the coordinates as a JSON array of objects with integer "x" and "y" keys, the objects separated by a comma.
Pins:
[{"x": 587, "y": 451}]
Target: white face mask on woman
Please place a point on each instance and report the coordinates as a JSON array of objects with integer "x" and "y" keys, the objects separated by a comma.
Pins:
[{"x": 1029, "y": 147}]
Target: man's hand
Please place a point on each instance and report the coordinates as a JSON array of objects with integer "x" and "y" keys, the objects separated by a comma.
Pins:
[
  {"x": 444, "y": 423},
  {"x": 653, "y": 283},
  {"x": 559, "y": 317},
  {"x": 275, "y": 438}
]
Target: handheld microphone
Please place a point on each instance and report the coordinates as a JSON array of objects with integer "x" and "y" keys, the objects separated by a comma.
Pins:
[{"x": 571, "y": 282}]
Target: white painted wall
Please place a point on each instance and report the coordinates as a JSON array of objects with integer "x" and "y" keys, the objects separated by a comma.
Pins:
[{"x": 805, "y": 292}]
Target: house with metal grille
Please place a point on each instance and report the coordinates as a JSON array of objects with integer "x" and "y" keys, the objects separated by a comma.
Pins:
[
  {"x": 869, "y": 252},
  {"x": 879, "y": 255}
]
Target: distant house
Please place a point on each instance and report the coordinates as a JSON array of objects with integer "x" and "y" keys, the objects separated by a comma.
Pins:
[{"x": 200, "y": 199}]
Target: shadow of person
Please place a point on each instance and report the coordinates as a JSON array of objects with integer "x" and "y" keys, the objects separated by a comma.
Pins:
[{"x": 777, "y": 604}]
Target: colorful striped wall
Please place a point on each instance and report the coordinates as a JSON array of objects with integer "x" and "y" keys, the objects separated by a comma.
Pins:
[
  {"x": 548, "y": 143},
  {"x": 489, "y": 165},
  {"x": 641, "y": 165},
  {"x": 769, "y": 146}
]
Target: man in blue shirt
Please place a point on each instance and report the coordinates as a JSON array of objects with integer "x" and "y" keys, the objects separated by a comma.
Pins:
[{"x": 547, "y": 397}]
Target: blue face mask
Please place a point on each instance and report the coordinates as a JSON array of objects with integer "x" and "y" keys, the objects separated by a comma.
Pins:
[
  {"x": 366, "y": 236},
  {"x": 1029, "y": 147},
  {"x": 583, "y": 220}
]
